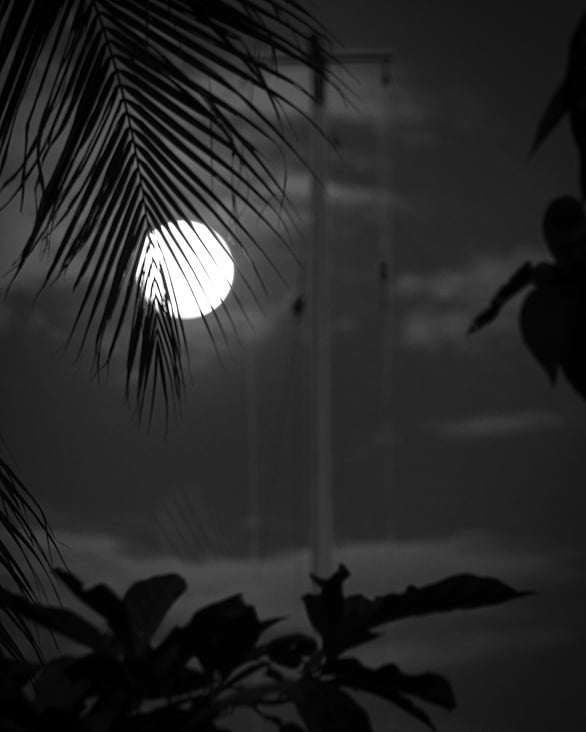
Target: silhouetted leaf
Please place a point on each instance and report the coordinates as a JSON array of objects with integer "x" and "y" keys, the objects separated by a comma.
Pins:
[
  {"x": 576, "y": 95},
  {"x": 570, "y": 97},
  {"x": 555, "y": 110},
  {"x": 221, "y": 635},
  {"x": 103, "y": 670},
  {"x": 56, "y": 619},
  {"x": 147, "y": 602},
  {"x": 564, "y": 229},
  {"x": 460, "y": 592},
  {"x": 544, "y": 320},
  {"x": 574, "y": 357},
  {"x": 55, "y": 688},
  {"x": 290, "y": 650},
  {"x": 109, "y": 713},
  {"x": 327, "y": 608},
  {"x": 353, "y": 625},
  {"x": 390, "y": 683},
  {"x": 389, "y": 678},
  {"x": 102, "y": 600},
  {"x": 11, "y": 725},
  {"x": 14, "y": 673},
  {"x": 8, "y": 643},
  {"x": 325, "y": 708},
  {"x": 329, "y": 614}
]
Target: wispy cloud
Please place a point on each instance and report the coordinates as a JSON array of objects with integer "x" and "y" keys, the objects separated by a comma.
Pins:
[
  {"x": 428, "y": 328},
  {"x": 484, "y": 425},
  {"x": 438, "y": 306}
]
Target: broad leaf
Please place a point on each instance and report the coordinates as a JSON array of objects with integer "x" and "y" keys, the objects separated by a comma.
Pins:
[
  {"x": 390, "y": 683},
  {"x": 460, "y": 592},
  {"x": 147, "y": 602},
  {"x": 55, "y": 688},
  {"x": 544, "y": 320},
  {"x": 354, "y": 625},
  {"x": 389, "y": 678},
  {"x": 576, "y": 95},
  {"x": 564, "y": 229},
  {"x": 134, "y": 677},
  {"x": 325, "y": 708},
  {"x": 574, "y": 357},
  {"x": 102, "y": 671},
  {"x": 102, "y": 600},
  {"x": 221, "y": 635}
]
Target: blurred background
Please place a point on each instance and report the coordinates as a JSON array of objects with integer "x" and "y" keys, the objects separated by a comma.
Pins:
[{"x": 450, "y": 453}]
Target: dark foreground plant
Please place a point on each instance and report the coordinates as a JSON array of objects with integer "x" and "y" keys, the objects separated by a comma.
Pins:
[
  {"x": 22, "y": 553},
  {"x": 553, "y": 314},
  {"x": 221, "y": 660},
  {"x": 117, "y": 117}
]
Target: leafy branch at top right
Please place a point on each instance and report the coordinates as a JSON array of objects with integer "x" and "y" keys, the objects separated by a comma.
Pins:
[{"x": 553, "y": 313}]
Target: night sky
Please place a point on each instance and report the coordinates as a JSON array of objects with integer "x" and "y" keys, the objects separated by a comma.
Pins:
[{"x": 480, "y": 466}]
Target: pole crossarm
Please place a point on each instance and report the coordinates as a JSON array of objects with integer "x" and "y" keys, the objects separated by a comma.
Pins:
[{"x": 350, "y": 56}]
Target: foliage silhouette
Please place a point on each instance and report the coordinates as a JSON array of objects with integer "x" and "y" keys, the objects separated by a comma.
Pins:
[
  {"x": 119, "y": 117},
  {"x": 553, "y": 314},
  {"x": 219, "y": 661},
  {"x": 22, "y": 554},
  {"x": 140, "y": 116}
]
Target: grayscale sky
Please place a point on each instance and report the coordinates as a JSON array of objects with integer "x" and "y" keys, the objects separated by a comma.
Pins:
[{"x": 479, "y": 467}]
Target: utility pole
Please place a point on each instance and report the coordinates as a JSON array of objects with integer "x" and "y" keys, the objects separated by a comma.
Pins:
[
  {"x": 319, "y": 310},
  {"x": 319, "y": 305}
]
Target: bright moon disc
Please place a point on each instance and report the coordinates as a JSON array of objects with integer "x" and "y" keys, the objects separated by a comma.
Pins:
[{"x": 193, "y": 260}]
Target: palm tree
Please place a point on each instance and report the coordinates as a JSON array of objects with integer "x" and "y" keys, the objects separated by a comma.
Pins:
[{"x": 121, "y": 115}]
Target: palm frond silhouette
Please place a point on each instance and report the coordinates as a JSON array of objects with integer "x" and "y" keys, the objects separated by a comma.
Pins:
[
  {"x": 119, "y": 116},
  {"x": 23, "y": 553},
  {"x": 136, "y": 116}
]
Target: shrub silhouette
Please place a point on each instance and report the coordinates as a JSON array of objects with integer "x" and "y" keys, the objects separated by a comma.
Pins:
[{"x": 221, "y": 659}]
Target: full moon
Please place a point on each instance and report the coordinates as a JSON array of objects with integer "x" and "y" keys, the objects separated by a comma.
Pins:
[{"x": 193, "y": 261}]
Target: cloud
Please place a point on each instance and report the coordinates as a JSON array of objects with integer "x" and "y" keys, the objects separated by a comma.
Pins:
[
  {"x": 437, "y": 307},
  {"x": 427, "y": 328},
  {"x": 484, "y": 425},
  {"x": 368, "y": 192}
]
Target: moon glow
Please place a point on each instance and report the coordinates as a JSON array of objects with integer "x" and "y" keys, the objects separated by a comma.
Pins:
[{"x": 195, "y": 264}]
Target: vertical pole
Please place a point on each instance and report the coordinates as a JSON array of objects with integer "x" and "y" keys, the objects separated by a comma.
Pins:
[
  {"x": 252, "y": 450},
  {"x": 386, "y": 280},
  {"x": 321, "y": 503},
  {"x": 254, "y": 517}
]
